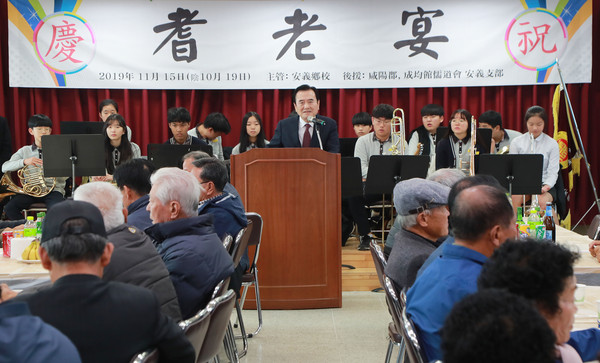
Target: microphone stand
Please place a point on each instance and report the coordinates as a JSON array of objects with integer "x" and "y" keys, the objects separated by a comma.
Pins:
[
  {"x": 317, "y": 129},
  {"x": 578, "y": 135}
]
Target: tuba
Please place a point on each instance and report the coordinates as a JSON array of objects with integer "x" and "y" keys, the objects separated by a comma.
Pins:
[
  {"x": 398, "y": 133},
  {"x": 32, "y": 182}
]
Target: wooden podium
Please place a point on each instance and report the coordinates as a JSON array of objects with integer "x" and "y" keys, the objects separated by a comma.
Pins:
[{"x": 297, "y": 192}]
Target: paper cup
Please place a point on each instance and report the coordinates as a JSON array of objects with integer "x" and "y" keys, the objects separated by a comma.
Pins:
[{"x": 18, "y": 245}]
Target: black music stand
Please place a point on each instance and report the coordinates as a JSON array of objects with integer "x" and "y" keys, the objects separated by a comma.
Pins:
[
  {"x": 351, "y": 177},
  {"x": 168, "y": 155},
  {"x": 81, "y": 127},
  {"x": 484, "y": 136},
  {"x": 73, "y": 155},
  {"x": 385, "y": 171},
  {"x": 347, "y": 146},
  {"x": 518, "y": 173}
]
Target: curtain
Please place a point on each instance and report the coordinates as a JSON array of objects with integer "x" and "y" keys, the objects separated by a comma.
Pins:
[{"x": 145, "y": 110}]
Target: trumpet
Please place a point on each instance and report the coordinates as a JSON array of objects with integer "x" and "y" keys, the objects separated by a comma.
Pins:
[
  {"x": 473, "y": 142},
  {"x": 398, "y": 133}
]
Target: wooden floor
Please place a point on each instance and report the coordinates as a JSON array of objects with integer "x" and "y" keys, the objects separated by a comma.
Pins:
[{"x": 364, "y": 276}]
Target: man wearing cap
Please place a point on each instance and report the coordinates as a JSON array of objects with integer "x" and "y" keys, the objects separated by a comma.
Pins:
[
  {"x": 482, "y": 219},
  {"x": 423, "y": 214},
  {"x": 107, "y": 321}
]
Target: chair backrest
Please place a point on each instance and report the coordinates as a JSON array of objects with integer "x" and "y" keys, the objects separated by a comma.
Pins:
[
  {"x": 378, "y": 259},
  {"x": 221, "y": 288},
  {"x": 220, "y": 312},
  {"x": 227, "y": 241},
  {"x": 241, "y": 243},
  {"x": 255, "y": 235},
  {"x": 195, "y": 328},
  {"x": 404, "y": 325},
  {"x": 148, "y": 356}
]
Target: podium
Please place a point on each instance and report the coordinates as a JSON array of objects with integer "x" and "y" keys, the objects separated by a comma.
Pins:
[{"x": 297, "y": 192}]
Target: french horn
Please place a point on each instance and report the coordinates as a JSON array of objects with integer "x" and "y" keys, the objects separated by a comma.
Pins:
[{"x": 32, "y": 182}]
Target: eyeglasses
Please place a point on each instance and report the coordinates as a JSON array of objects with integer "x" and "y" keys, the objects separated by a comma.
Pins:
[{"x": 204, "y": 182}]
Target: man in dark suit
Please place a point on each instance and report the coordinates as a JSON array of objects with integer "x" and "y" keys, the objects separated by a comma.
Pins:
[
  {"x": 107, "y": 321},
  {"x": 299, "y": 131}
]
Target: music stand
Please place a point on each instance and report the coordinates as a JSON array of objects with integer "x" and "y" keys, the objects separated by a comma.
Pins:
[
  {"x": 385, "y": 171},
  {"x": 168, "y": 155},
  {"x": 351, "y": 177},
  {"x": 485, "y": 135},
  {"x": 81, "y": 127},
  {"x": 347, "y": 146},
  {"x": 74, "y": 155},
  {"x": 518, "y": 173}
]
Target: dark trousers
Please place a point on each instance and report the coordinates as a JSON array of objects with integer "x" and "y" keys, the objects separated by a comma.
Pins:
[
  {"x": 13, "y": 209},
  {"x": 357, "y": 206}
]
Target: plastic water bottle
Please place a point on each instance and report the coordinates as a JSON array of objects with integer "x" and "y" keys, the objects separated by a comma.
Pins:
[
  {"x": 30, "y": 228},
  {"x": 39, "y": 221}
]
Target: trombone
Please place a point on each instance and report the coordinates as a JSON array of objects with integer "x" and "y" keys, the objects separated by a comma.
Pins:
[
  {"x": 473, "y": 142},
  {"x": 398, "y": 133}
]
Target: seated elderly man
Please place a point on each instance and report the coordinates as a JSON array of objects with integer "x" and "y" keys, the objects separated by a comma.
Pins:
[
  {"x": 421, "y": 206},
  {"x": 134, "y": 259},
  {"x": 192, "y": 156},
  {"x": 107, "y": 321},
  {"x": 482, "y": 219},
  {"x": 445, "y": 176},
  {"x": 133, "y": 179},
  {"x": 226, "y": 208},
  {"x": 542, "y": 272},
  {"x": 187, "y": 242},
  {"x": 496, "y": 326}
]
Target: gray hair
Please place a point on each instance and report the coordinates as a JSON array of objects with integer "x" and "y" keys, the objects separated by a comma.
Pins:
[
  {"x": 107, "y": 198},
  {"x": 174, "y": 184},
  {"x": 446, "y": 176},
  {"x": 411, "y": 219},
  {"x": 196, "y": 155}
]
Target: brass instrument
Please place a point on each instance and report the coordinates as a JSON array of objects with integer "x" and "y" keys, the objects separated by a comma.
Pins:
[
  {"x": 398, "y": 133},
  {"x": 32, "y": 181},
  {"x": 473, "y": 143},
  {"x": 504, "y": 150}
]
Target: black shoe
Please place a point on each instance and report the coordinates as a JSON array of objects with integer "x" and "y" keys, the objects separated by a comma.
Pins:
[{"x": 365, "y": 242}]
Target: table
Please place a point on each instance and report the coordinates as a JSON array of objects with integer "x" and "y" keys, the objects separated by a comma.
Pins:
[
  {"x": 12, "y": 269},
  {"x": 578, "y": 243}
]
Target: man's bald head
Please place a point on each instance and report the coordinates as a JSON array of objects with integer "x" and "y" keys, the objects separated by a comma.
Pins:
[{"x": 476, "y": 210}]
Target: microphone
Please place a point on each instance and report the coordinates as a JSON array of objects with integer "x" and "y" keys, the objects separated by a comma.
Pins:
[{"x": 315, "y": 120}]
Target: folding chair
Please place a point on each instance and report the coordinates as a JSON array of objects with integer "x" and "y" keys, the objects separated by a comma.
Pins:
[
  {"x": 393, "y": 333},
  {"x": 220, "y": 312},
  {"x": 250, "y": 277},
  {"x": 148, "y": 356},
  {"x": 238, "y": 249},
  {"x": 404, "y": 325},
  {"x": 195, "y": 328}
]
